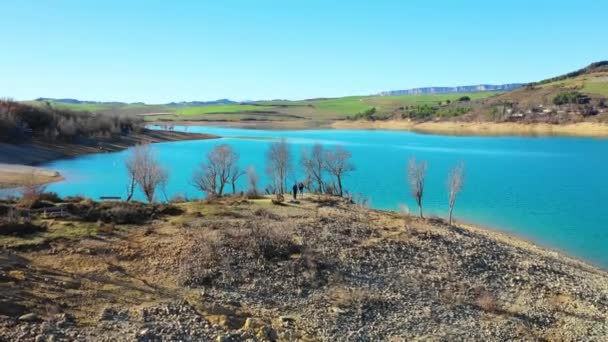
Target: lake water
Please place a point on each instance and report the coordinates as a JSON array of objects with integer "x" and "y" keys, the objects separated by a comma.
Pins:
[{"x": 551, "y": 190}]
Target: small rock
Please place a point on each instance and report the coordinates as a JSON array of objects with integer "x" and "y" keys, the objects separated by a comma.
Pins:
[{"x": 30, "y": 317}]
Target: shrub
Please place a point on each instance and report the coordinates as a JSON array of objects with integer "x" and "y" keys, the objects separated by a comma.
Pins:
[
  {"x": 50, "y": 197},
  {"x": 573, "y": 97},
  {"x": 464, "y": 99}
]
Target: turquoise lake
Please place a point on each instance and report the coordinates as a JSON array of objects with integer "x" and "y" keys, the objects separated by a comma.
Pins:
[{"x": 553, "y": 191}]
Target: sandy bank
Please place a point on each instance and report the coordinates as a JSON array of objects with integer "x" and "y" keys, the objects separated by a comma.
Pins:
[
  {"x": 582, "y": 129},
  {"x": 19, "y": 157}
]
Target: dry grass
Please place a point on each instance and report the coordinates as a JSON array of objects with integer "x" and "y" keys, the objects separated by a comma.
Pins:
[{"x": 487, "y": 302}]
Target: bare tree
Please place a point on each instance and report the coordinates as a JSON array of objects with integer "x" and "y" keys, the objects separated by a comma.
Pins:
[
  {"x": 416, "y": 172},
  {"x": 279, "y": 164},
  {"x": 147, "y": 172},
  {"x": 337, "y": 163},
  {"x": 252, "y": 180},
  {"x": 236, "y": 173},
  {"x": 314, "y": 166},
  {"x": 221, "y": 167},
  {"x": 205, "y": 179},
  {"x": 132, "y": 169},
  {"x": 455, "y": 183},
  {"x": 31, "y": 189}
]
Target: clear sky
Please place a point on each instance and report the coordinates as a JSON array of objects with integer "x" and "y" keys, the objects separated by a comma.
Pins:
[{"x": 158, "y": 51}]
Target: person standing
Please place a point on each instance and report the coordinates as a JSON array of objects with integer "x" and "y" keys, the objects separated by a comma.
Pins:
[{"x": 295, "y": 190}]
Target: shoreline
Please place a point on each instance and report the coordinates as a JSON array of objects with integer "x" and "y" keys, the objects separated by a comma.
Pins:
[
  {"x": 18, "y": 163},
  {"x": 580, "y": 129},
  {"x": 507, "y": 237},
  {"x": 488, "y": 129}
]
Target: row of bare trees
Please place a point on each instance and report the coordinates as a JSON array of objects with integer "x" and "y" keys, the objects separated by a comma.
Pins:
[
  {"x": 317, "y": 164},
  {"x": 320, "y": 161},
  {"x": 416, "y": 175},
  {"x": 221, "y": 169}
]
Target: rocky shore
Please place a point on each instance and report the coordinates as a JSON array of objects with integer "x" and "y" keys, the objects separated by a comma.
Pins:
[{"x": 322, "y": 269}]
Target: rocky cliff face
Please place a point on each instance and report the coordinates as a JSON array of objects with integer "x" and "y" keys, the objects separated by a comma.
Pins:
[{"x": 451, "y": 90}]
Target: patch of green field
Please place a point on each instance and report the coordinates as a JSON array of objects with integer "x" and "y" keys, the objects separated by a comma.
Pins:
[
  {"x": 231, "y": 108},
  {"x": 339, "y": 108},
  {"x": 597, "y": 87}
]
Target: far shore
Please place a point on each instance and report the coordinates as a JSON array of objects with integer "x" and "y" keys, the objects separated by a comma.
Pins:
[
  {"x": 17, "y": 161},
  {"x": 579, "y": 129}
]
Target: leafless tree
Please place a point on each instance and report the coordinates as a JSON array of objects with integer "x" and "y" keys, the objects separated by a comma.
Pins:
[
  {"x": 220, "y": 168},
  {"x": 146, "y": 170},
  {"x": 31, "y": 189},
  {"x": 455, "y": 183},
  {"x": 279, "y": 164},
  {"x": 337, "y": 163},
  {"x": 313, "y": 165},
  {"x": 252, "y": 180},
  {"x": 205, "y": 179},
  {"x": 132, "y": 170},
  {"x": 235, "y": 174},
  {"x": 416, "y": 172}
]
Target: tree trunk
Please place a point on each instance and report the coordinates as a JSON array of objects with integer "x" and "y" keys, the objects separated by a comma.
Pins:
[
  {"x": 233, "y": 188},
  {"x": 131, "y": 190},
  {"x": 420, "y": 210},
  {"x": 340, "y": 185},
  {"x": 221, "y": 188},
  {"x": 450, "y": 216}
]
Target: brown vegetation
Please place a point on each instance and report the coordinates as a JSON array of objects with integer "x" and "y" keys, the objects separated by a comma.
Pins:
[{"x": 319, "y": 270}]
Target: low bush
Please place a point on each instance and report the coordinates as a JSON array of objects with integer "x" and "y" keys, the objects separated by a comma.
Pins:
[
  {"x": 50, "y": 197},
  {"x": 19, "y": 228}
]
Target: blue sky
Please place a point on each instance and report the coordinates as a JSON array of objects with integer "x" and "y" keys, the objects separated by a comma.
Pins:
[{"x": 158, "y": 51}]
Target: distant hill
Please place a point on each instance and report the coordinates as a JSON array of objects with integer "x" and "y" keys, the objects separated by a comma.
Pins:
[
  {"x": 597, "y": 67},
  {"x": 453, "y": 90},
  {"x": 201, "y": 103},
  {"x": 75, "y": 101},
  {"x": 115, "y": 103}
]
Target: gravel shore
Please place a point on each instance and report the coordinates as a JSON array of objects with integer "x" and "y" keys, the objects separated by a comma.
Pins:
[{"x": 321, "y": 269}]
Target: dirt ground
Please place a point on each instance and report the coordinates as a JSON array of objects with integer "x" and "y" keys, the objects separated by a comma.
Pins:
[{"x": 320, "y": 269}]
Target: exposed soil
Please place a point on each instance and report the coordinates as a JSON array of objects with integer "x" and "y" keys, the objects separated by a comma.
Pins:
[{"x": 321, "y": 269}]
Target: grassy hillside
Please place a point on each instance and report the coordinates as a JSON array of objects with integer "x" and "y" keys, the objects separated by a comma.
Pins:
[
  {"x": 578, "y": 96},
  {"x": 319, "y": 110}
]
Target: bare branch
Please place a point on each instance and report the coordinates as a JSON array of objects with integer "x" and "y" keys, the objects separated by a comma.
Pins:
[
  {"x": 416, "y": 173},
  {"x": 455, "y": 184}
]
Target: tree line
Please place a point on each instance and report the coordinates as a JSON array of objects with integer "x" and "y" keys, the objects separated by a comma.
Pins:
[
  {"x": 21, "y": 122},
  {"x": 324, "y": 172}
]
